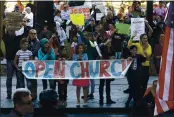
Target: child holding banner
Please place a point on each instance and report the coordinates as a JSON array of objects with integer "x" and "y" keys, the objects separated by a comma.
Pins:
[
  {"x": 81, "y": 56},
  {"x": 22, "y": 55},
  {"x": 62, "y": 84}
]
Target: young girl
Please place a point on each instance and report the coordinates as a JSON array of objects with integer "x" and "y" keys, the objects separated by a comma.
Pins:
[
  {"x": 84, "y": 83},
  {"x": 62, "y": 84},
  {"x": 22, "y": 55},
  {"x": 74, "y": 44}
]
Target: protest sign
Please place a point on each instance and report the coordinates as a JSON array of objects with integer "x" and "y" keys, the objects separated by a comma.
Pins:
[
  {"x": 123, "y": 28},
  {"x": 81, "y": 10},
  {"x": 77, "y": 19},
  {"x": 13, "y": 20},
  {"x": 94, "y": 69},
  {"x": 138, "y": 27},
  {"x": 99, "y": 16}
]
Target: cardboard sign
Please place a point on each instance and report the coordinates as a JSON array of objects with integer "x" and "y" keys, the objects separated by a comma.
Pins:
[
  {"x": 78, "y": 19},
  {"x": 123, "y": 28},
  {"x": 94, "y": 69},
  {"x": 81, "y": 10},
  {"x": 138, "y": 27},
  {"x": 13, "y": 20}
]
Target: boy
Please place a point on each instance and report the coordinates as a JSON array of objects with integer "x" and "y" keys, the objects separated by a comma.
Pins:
[
  {"x": 134, "y": 75},
  {"x": 22, "y": 55}
]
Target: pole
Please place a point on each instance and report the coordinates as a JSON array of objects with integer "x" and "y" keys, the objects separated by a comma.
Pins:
[
  {"x": 1, "y": 18},
  {"x": 149, "y": 12}
]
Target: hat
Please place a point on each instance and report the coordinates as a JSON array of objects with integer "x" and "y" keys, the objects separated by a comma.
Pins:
[{"x": 43, "y": 42}]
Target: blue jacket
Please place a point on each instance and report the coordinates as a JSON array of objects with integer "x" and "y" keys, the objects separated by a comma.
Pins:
[
  {"x": 42, "y": 56},
  {"x": 76, "y": 56}
]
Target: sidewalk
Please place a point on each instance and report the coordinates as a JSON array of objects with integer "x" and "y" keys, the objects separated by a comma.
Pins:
[{"x": 117, "y": 88}]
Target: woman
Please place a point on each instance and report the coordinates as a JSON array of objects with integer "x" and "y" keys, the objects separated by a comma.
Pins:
[
  {"x": 84, "y": 83},
  {"x": 158, "y": 52},
  {"x": 143, "y": 48},
  {"x": 46, "y": 53}
]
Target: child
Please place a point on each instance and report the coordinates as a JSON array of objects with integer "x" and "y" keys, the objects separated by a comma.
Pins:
[
  {"x": 74, "y": 44},
  {"x": 134, "y": 76},
  {"x": 81, "y": 56},
  {"x": 62, "y": 84},
  {"x": 22, "y": 55}
]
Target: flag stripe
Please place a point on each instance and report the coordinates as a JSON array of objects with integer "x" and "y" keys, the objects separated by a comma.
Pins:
[
  {"x": 163, "y": 63},
  {"x": 171, "y": 90},
  {"x": 168, "y": 71}
]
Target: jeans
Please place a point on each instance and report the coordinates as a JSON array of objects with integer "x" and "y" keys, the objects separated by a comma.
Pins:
[
  {"x": 10, "y": 72},
  {"x": 145, "y": 78},
  {"x": 51, "y": 82},
  {"x": 108, "y": 88},
  {"x": 20, "y": 79},
  {"x": 32, "y": 86},
  {"x": 118, "y": 55},
  {"x": 92, "y": 85}
]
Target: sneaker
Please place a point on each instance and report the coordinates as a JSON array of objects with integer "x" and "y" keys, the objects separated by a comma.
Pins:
[
  {"x": 90, "y": 96},
  {"x": 110, "y": 102},
  {"x": 85, "y": 105},
  {"x": 82, "y": 97},
  {"x": 9, "y": 96},
  {"x": 127, "y": 90},
  {"x": 78, "y": 105}
]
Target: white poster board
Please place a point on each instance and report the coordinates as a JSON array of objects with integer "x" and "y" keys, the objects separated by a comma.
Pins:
[
  {"x": 99, "y": 16},
  {"x": 138, "y": 27}
]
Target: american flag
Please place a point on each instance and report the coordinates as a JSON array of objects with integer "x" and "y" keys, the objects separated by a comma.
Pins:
[{"x": 165, "y": 89}]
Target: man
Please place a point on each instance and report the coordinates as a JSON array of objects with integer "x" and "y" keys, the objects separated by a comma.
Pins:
[
  {"x": 29, "y": 17},
  {"x": 34, "y": 46},
  {"x": 22, "y": 101},
  {"x": 65, "y": 15},
  {"x": 48, "y": 104},
  {"x": 57, "y": 17},
  {"x": 161, "y": 11},
  {"x": 91, "y": 26},
  {"x": 12, "y": 45}
]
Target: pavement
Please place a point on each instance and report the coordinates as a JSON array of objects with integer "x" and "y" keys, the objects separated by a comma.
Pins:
[{"x": 117, "y": 88}]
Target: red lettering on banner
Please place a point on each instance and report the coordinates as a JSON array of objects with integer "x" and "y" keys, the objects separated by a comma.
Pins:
[
  {"x": 40, "y": 66},
  {"x": 103, "y": 66},
  {"x": 62, "y": 70},
  {"x": 56, "y": 69},
  {"x": 84, "y": 70},
  {"x": 123, "y": 62}
]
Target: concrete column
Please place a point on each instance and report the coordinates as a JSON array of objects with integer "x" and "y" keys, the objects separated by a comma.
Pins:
[{"x": 1, "y": 18}]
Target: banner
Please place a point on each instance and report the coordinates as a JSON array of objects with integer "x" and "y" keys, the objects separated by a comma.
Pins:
[
  {"x": 138, "y": 27},
  {"x": 81, "y": 10},
  {"x": 13, "y": 20},
  {"x": 93, "y": 69},
  {"x": 123, "y": 28},
  {"x": 77, "y": 19}
]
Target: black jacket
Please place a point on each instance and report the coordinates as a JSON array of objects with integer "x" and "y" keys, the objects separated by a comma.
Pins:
[{"x": 12, "y": 45}]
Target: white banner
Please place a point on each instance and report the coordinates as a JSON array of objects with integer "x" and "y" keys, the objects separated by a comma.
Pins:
[
  {"x": 94, "y": 69},
  {"x": 138, "y": 27}
]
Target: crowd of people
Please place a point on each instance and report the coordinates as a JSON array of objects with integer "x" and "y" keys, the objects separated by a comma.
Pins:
[{"x": 51, "y": 45}]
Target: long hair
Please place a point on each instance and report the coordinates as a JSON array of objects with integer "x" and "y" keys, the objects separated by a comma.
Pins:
[{"x": 77, "y": 48}]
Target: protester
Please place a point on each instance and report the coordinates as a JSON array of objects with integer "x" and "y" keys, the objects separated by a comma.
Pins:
[
  {"x": 143, "y": 48},
  {"x": 20, "y": 6},
  {"x": 58, "y": 18},
  {"x": 29, "y": 18},
  {"x": 45, "y": 33},
  {"x": 158, "y": 52},
  {"x": 46, "y": 53},
  {"x": 23, "y": 104},
  {"x": 65, "y": 15},
  {"x": 108, "y": 53},
  {"x": 161, "y": 11},
  {"x": 84, "y": 83},
  {"x": 31, "y": 5},
  {"x": 91, "y": 26},
  {"x": 61, "y": 34},
  {"x": 74, "y": 45},
  {"x": 62, "y": 84},
  {"x": 22, "y": 55},
  {"x": 33, "y": 46},
  {"x": 134, "y": 76},
  {"x": 12, "y": 45}
]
